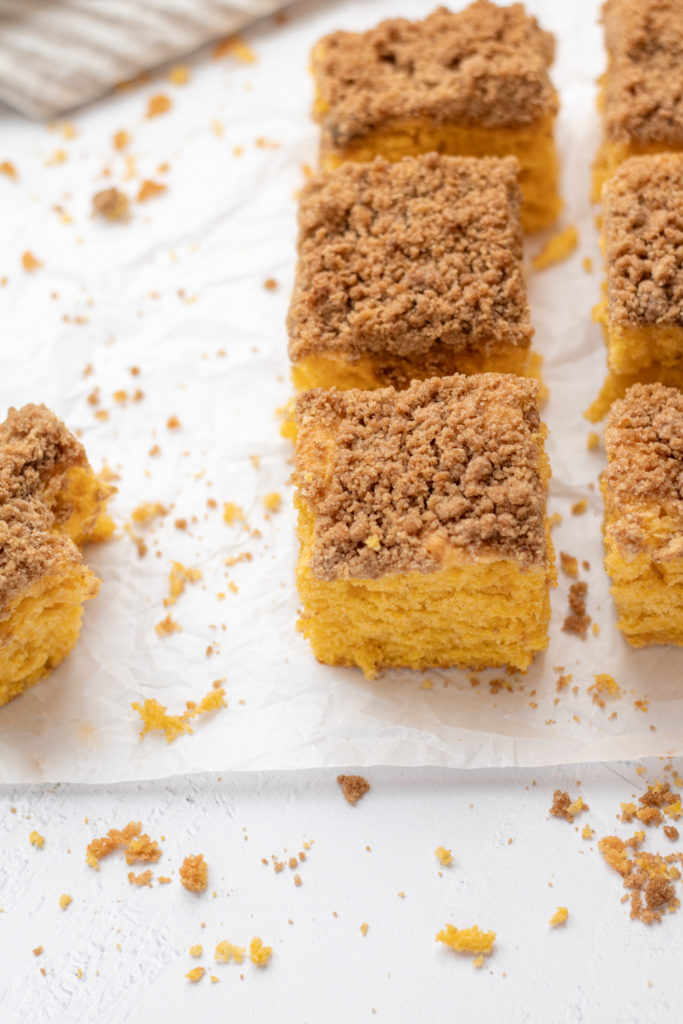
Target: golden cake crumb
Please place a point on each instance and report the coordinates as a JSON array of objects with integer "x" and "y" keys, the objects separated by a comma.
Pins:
[
  {"x": 579, "y": 507},
  {"x": 121, "y": 139},
  {"x": 179, "y": 75},
  {"x": 587, "y": 832},
  {"x": 354, "y": 787},
  {"x": 214, "y": 979},
  {"x": 147, "y": 511},
  {"x": 467, "y": 940},
  {"x": 272, "y": 501},
  {"x": 478, "y": 962},
  {"x": 8, "y": 168},
  {"x": 592, "y": 441},
  {"x": 37, "y": 951},
  {"x": 444, "y": 856},
  {"x": 194, "y": 873},
  {"x": 167, "y": 627},
  {"x": 258, "y": 953},
  {"x": 99, "y": 848},
  {"x": 144, "y": 878},
  {"x": 157, "y": 105},
  {"x": 196, "y": 974},
  {"x": 569, "y": 564},
  {"x": 364, "y": 928},
  {"x": 225, "y": 951},
  {"x": 564, "y": 807},
  {"x": 111, "y": 203},
  {"x": 232, "y": 513},
  {"x": 35, "y": 839},
  {"x": 557, "y": 248},
  {"x": 559, "y": 917},
  {"x": 142, "y": 848},
  {"x": 149, "y": 189},
  {"x": 270, "y": 284},
  {"x": 587, "y": 264},
  {"x": 196, "y": 950},
  {"x": 155, "y": 715},
  {"x": 178, "y": 578},
  {"x": 234, "y": 46},
  {"x": 64, "y": 900},
  {"x": 30, "y": 262},
  {"x": 163, "y": 880},
  {"x": 604, "y": 686}
]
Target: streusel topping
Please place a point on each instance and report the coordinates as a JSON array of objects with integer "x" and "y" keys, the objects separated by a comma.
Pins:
[
  {"x": 486, "y": 66},
  {"x": 395, "y": 258},
  {"x": 643, "y": 229},
  {"x": 643, "y": 101},
  {"x": 402, "y": 481}
]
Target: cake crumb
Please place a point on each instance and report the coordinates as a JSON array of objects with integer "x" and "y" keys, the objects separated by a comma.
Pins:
[
  {"x": 196, "y": 950},
  {"x": 163, "y": 880},
  {"x": 146, "y": 511},
  {"x": 194, "y": 873},
  {"x": 467, "y": 940},
  {"x": 592, "y": 441},
  {"x": 233, "y": 513},
  {"x": 99, "y": 848},
  {"x": 144, "y": 878},
  {"x": 478, "y": 962},
  {"x": 30, "y": 262},
  {"x": 234, "y": 46},
  {"x": 167, "y": 627},
  {"x": 179, "y": 576},
  {"x": 604, "y": 686},
  {"x": 157, "y": 105},
  {"x": 557, "y": 248},
  {"x": 272, "y": 501},
  {"x": 587, "y": 832},
  {"x": 270, "y": 284},
  {"x": 354, "y": 787},
  {"x": 179, "y": 75},
  {"x": 587, "y": 264},
  {"x": 37, "y": 951},
  {"x": 258, "y": 953},
  {"x": 155, "y": 715},
  {"x": 8, "y": 168},
  {"x": 569, "y": 564},
  {"x": 564, "y": 807},
  {"x": 559, "y": 917},
  {"x": 364, "y": 928},
  {"x": 670, "y": 832},
  {"x": 111, "y": 203},
  {"x": 64, "y": 900},
  {"x": 149, "y": 189},
  {"x": 196, "y": 974},
  {"x": 35, "y": 839},
  {"x": 579, "y": 507},
  {"x": 142, "y": 848},
  {"x": 444, "y": 856},
  {"x": 121, "y": 139},
  {"x": 225, "y": 951},
  {"x": 577, "y": 621}
]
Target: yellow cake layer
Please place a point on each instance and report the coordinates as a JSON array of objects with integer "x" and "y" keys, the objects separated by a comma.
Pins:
[
  {"x": 42, "y": 626},
  {"x": 78, "y": 508},
  {"x": 378, "y": 371},
  {"x": 648, "y": 593},
  {"x": 617, "y": 384},
  {"x": 533, "y": 146},
  {"x": 472, "y": 615},
  {"x": 632, "y": 348}
]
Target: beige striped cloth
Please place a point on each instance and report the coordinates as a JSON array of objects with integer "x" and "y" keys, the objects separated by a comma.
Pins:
[{"x": 59, "y": 54}]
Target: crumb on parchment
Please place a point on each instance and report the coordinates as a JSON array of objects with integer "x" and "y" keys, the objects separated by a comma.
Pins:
[
  {"x": 155, "y": 715},
  {"x": 354, "y": 787},
  {"x": 564, "y": 807}
]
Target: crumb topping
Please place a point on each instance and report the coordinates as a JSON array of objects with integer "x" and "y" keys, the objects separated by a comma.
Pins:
[
  {"x": 35, "y": 450},
  {"x": 643, "y": 238},
  {"x": 578, "y": 620},
  {"x": 354, "y": 787},
  {"x": 450, "y": 468},
  {"x": 644, "y": 443},
  {"x": 486, "y": 65},
  {"x": 643, "y": 99},
  {"x": 400, "y": 257}
]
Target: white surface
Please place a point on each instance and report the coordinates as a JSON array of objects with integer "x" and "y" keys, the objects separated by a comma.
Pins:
[
  {"x": 594, "y": 970},
  {"x": 224, "y": 226}
]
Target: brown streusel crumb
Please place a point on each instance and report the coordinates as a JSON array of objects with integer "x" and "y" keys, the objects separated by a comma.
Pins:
[
  {"x": 404, "y": 258},
  {"x": 111, "y": 203},
  {"x": 671, "y": 832},
  {"x": 644, "y": 445},
  {"x": 486, "y": 65},
  {"x": 577, "y": 621},
  {"x": 194, "y": 873},
  {"x": 642, "y": 216},
  {"x": 396, "y": 480},
  {"x": 354, "y": 787},
  {"x": 564, "y": 807},
  {"x": 643, "y": 101}
]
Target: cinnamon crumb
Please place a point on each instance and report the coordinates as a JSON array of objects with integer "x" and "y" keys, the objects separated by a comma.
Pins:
[
  {"x": 564, "y": 807},
  {"x": 354, "y": 787},
  {"x": 270, "y": 284},
  {"x": 670, "y": 832},
  {"x": 577, "y": 621},
  {"x": 111, "y": 203}
]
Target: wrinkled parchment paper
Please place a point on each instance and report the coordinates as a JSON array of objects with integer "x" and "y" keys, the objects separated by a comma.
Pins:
[{"x": 178, "y": 292}]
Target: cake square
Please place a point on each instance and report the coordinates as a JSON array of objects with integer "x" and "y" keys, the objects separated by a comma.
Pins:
[
  {"x": 467, "y": 83},
  {"x": 642, "y": 310},
  {"x": 640, "y": 98},
  {"x": 643, "y": 522},
  {"x": 422, "y": 524},
  {"x": 409, "y": 270},
  {"x": 50, "y": 503}
]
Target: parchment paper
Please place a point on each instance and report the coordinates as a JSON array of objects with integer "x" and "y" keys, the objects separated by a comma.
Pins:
[{"x": 178, "y": 292}]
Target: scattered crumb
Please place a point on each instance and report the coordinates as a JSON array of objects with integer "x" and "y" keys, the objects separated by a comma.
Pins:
[
  {"x": 587, "y": 832},
  {"x": 225, "y": 951},
  {"x": 8, "y": 168},
  {"x": 592, "y": 441},
  {"x": 143, "y": 848},
  {"x": 354, "y": 787},
  {"x": 37, "y": 951},
  {"x": 569, "y": 564},
  {"x": 258, "y": 953},
  {"x": 670, "y": 832},
  {"x": 577, "y": 621},
  {"x": 444, "y": 856},
  {"x": 121, "y": 139},
  {"x": 196, "y": 974},
  {"x": 178, "y": 578},
  {"x": 111, "y": 203},
  {"x": 64, "y": 900},
  {"x": 196, "y": 950},
  {"x": 35, "y": 839},
  {"x": 467, "y": 940},
  {"x": 604, "y": 686},
  {"x": 159, "y": 104},
  {"x": 364, "y": 928},
  {"x": 272, "y": 501},
  {"x": 163, "y": 880},
  {"x": 30, "y": 262},
  {"x": 99, "y": 848},
  {"x": 155, "y": 715},
  {"x": 147, "y": 511},
  {"x": 150, "y": 189},
  {"x": 559, "y": 917},
  {"x": 144, "y": 878},
  {"x": 563, "y": 807},
  {"x": 554, "y": 520},
  {"x": 167, "y": 627},
  {"x": 234, "y": 46},
  {"x": 478, "y": 962},
  {"x": 194, "y": 873},
  {"x": 587, "y": 264},
  {"x": 579, "y": 507},
  {"x": 179, "y": 75},
  {"x": 556, "y": 249},
  {"x": 232, "y": 513},
  {"x": 173, "y": 423},
  {"x": 270, "y": 284}
]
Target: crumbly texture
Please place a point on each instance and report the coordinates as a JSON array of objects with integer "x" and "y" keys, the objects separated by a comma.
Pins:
[
  {"x": 354, "y": 787},
  {"x": 486, "y": 65},
  {"x": 155, "y": 715},
  {"x": 111, "y": 203},
  {"x": 577, "y": 621},
  {"x": 226, "y": 951},
  {"x": 402, "y": 258},
  {"x": 643, "y": 97},
  {"x": 398, "y": 481},
  {"x": 258, "y": 953},
  {"x": 194, "y": 873},
  {"x": 467, "y": 940},
  {"x": 444, "y": 856},
  {"x": 35, "y": 839},
  {"x": 643, "y": 239},
  {"x": 115, "y": 837},
  {"x": 559, "y": 917},
  {"x": 644, "y": 443},
  {"x": 564, "y": 807}
]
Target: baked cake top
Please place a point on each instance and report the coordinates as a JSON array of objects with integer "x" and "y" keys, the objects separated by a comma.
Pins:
[
  {"x": 644, "y": 444},
  {"x": 416, "y": 480},
  {"x": 485, "y": 66},
  {"x": 643, "y": 230},
  {"x": 643, "y": 98},
  {"x": 397, "y": 257},
  {"x": 34, "y": 444}
]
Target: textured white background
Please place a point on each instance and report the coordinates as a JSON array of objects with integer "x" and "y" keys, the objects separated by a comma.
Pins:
[
  {"x": 169, "y": 292},
  {"x": 224, "y": 226}
]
